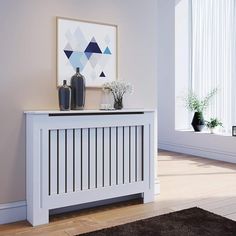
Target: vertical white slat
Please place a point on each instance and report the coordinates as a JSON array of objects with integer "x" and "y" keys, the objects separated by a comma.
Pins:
[
  {"x": 148, "y": 165},
  {"x": 132, "y": 154},
  {"x": 106, "y": 157},
  {"x": 61, "y": 170},
  {"x": 120, "y": 152},
  {"x": 152, "y": 154},
  {"x": 146, "y": 156},
  {"x": 77, "y": 160},
  {"x": 92, "y": 158},
  {"x": 126, "y": 155},
  {"x": 139, "y": 153},
  {"x": 44, "y": 166},
  {"x": 70, "y": 161},
  {"x": 113, "y": 156},
  {"x": 53, "y": 162},
  {"x": 99, "y": 157},
  {"x": 85, "y": 161}
]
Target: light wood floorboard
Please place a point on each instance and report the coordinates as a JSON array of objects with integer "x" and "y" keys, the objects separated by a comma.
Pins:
[{"x": 186, "y": 181}]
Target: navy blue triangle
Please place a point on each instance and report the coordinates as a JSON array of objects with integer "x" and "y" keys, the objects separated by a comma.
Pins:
[
  {"x": 102, "y": 74},
  {"x": 68, "y": 53},
  {"x": 93, "y": 48}
]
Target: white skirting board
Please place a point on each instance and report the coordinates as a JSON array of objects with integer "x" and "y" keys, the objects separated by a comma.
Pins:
[
  {"x": 12, "y": 212},
  {"x": 16, "y": 211},
  {"x": 196, "y": 151}
]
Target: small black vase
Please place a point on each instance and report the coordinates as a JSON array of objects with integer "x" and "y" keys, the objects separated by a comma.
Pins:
[
  {"x": 198, "y": 122},
  {"x": 64, "y": 95},
  {"x": 118, "y": 103},
  {"x": 77, "y": 91}
]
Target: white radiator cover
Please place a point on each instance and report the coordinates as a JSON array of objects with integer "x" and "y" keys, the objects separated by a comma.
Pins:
[{"x": 85, "y": 156}]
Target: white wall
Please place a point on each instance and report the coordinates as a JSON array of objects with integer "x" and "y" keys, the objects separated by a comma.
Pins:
[
  {"x": 202, "y": 144},
  {"x": 28, "y": 67},
  {"x": 182, "y": 57}
]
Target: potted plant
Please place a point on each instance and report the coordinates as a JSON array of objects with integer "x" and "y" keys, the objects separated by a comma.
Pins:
[
  {"x": 196, "y": 105},
  {"x": 118, "y": 90},
  {"x": 213, "y": 123}
]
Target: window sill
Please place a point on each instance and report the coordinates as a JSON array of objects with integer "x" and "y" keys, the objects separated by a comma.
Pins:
[{"x": 205, "y": 133}]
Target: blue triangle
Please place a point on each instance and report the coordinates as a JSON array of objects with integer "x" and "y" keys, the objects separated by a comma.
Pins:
[
  {"x": 68, "y": 53},
  {"x": 88, "y": 54},
  {"x": 78, "y": 59},
  {"x": 107, "y": 51},
  {"x": 93, "y": 48},
  {"x": 102, "y": 74}
]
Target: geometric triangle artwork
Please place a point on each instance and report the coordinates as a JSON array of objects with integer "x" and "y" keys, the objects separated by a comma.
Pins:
[
  {"x": 79, "y": 37},
  {"x": 105, "y": 59},
  {"x": 68, "y": 53},
  {"x": 102, "y": 74},
  {"x": 107, "y": 51},
  {"x": 107, "y": 39},
  {"x": 78, "y": 59},
  {"x": 88, "y": 54},
  {"x": 68, "y": 47},
  {"x": 93, "y": 40},
  {"x": 93, "y": 47},
  {"x": 94, "y": 59}
]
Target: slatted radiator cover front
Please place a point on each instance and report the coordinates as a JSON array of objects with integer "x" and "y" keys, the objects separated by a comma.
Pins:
[
  {"x": 80, "y": 159},
  {"x": 89, "y": 158}
]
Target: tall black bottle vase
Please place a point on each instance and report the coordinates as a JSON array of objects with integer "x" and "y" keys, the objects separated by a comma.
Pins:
[{"x": 77, "y": 91}]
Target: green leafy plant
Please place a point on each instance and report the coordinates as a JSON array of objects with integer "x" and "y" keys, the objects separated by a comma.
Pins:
[
  {"x": 213, "y": 123},
  {"x": 193, "y": 103}
]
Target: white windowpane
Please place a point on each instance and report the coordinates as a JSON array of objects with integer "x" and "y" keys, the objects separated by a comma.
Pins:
[{"x": 213, "y": 56}]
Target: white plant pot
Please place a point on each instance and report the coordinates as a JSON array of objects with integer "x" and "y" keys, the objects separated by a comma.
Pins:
[{"x": 212, "y": 130}]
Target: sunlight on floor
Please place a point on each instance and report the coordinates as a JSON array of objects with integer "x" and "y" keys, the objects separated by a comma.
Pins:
[{"x": 188, "y": 181}]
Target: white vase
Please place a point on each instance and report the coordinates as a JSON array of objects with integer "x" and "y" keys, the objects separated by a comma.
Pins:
[{"x": 212, "y": 130}]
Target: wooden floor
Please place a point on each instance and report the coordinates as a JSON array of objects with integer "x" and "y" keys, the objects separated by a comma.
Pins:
[{"x": 186, "y": 181}]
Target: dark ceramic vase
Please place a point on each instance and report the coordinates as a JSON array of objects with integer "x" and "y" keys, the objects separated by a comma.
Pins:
[
  {"x": 198, "y": 122},
  {"x": 118, "y": 103},
  {"x": 77, "y": 91},
  {"x": 64, "y": 95}
]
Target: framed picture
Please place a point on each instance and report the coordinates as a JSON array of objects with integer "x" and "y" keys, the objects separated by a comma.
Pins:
[{"x": 88, "y": 45}]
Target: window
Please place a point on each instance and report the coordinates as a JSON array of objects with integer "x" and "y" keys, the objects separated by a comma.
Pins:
[{"x": 213, "y": 56}]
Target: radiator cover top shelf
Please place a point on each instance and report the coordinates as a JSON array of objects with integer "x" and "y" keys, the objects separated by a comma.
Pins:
[
  {"x": 87, "y": 156},
  {"x": 88, "y": 112}
]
